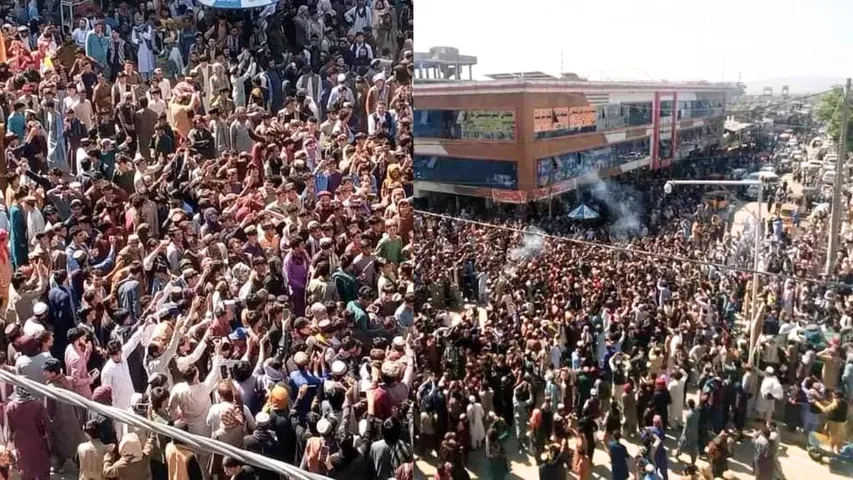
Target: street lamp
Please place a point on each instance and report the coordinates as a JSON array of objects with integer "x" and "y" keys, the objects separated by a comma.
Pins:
[{"x": 759, "y": 182}]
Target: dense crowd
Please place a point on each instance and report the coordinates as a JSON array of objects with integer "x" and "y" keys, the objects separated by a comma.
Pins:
[
  {"x": 574, "y": 347},
  {"x": 206, "y": 222}
]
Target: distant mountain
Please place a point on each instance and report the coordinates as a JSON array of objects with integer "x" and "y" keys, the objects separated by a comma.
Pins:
[{"x": 796, "y": 85}]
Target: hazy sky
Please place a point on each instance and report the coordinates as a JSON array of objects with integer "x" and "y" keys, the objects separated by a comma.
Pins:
[{"x": 645, "y": 39}]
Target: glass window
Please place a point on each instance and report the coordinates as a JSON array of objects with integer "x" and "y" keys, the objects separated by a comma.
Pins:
[
  {"x": 575, "y": 164},
  {"x": 639, "y": 113},
  {"x": 703, "y": 108},
  {"x": 666, "y": 108},
  {"x": 611, "y": 117},
  {"x": 467, "y": 171},
  {"x": 465, "y": 124},
  {"x": 631, "y": 150}
]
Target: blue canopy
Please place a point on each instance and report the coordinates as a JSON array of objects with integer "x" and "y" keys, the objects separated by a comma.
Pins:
[
  {"x": 237, "y": 4},
  {"x": 583, "y": 213}
]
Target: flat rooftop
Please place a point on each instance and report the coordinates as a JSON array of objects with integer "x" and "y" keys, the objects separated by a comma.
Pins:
[{"x": 557, "y": 85}]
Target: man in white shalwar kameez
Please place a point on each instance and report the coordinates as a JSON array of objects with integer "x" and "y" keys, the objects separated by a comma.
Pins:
[
  {"x": 769, "y": 393},
  {"x": 35, "y": 220},
  {"x": 749, "y": 382},
  {"x": 676, "y": 393},
  {"x": 143, "y": 38},
  {"x": 476, "y": 422},
  {"x": 116, "y": 373}
]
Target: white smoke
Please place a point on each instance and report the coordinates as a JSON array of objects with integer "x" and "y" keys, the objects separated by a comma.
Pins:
[
  {"x": 532, "y": 245},
  {"x": 624, "y": 206}
]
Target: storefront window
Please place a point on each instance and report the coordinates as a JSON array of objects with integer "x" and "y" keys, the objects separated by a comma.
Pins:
[
  {"x": 632, "y": 150},
  {"x": 639, "y": 113},
  {"x": 575, "y": 164},
  {"x": 465, "y": 124},
  {"x": 611, "y": 117},
  {"x": 700, "y": 108},
  {"x": 467, "y": 171}
]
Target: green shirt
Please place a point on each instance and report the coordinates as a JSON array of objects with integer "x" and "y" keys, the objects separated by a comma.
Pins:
[
  {"x": 391, "y": 250},
  {"x": 362, "y": 320}
]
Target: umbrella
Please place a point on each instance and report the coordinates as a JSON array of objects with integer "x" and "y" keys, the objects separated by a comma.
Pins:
[
  {"x": 583, "y": 213},
  {"x": 237, "y": 4}
]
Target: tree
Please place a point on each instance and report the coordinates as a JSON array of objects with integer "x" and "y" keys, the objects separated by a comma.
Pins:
[{"x": 829, "y": 113}]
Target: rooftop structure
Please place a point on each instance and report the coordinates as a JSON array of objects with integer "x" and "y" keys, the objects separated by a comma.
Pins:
[{"x": 443, "y": 63}]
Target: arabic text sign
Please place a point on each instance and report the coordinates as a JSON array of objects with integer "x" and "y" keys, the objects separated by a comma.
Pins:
[
  {"x": 550, "y": 119},
  {"x": 562, "y": 121},
  {"x": 581, "y": 118},
  {"x": 487, "y": 124}
]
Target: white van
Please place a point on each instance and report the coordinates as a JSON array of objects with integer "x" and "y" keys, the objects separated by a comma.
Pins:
[
  {"x": 768, "y": 177},
  {"x": 828, "y": 178}
]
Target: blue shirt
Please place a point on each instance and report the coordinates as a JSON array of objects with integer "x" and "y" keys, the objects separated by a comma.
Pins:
[
  {"x": 405, "y": 316},
  {"x": 303, "y": 377},
  {"x": 16, "y": 124},
  {"x": 618, "y": 460}
]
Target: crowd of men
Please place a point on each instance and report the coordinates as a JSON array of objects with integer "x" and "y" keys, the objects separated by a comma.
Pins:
[
  {"x": 206, "y": 222},
  {"x": 574, "y": 347}
]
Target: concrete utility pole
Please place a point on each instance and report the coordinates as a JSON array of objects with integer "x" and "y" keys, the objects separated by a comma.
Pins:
[{"x": 835, "y": 219}]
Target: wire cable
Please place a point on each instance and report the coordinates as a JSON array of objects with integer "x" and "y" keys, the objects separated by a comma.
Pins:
[
  {"x": 629, "y": 251},
  {"x": 196, "y": 442}
]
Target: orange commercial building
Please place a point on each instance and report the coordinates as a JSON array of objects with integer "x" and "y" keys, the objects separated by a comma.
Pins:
[{"x": 523, "y": 140}]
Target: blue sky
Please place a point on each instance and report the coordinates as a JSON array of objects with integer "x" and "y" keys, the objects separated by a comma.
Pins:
[{"x": 646, "y": 39}]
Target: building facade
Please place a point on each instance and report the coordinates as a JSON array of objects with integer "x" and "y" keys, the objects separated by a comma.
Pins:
[{"x": 524, "y": 140}]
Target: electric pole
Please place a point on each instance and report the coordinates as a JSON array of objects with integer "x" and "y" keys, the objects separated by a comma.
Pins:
[{"x": 835, "y": 219}]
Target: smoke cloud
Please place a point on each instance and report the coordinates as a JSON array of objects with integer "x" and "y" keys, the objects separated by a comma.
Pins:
[
  {"x": 531, "y": 246},
  {"x": 624, "y": 206}
]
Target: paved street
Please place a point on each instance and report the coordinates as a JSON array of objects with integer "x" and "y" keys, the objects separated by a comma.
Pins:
[
  {"x": 747, "y": 210},
  {"x": 792, "y": 456}
]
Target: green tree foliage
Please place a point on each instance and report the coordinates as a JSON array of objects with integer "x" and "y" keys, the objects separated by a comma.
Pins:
[{"x": 829, "y": 113}]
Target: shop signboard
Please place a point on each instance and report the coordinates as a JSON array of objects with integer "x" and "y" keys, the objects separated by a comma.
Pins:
[
  {"x": 564, "y": 121},
  {"x": 582, "y": 119},
  {"x": 550, "y": 119},
  {"x": 487, "y": 124}
]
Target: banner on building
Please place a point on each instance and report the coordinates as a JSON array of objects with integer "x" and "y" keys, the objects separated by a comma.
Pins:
[
  {"x": 582, "y": 118},
  {"x": 509, "y": 196},
  {"x": 487, "y": 124},
  {"x": 565, "y": 120},
  {"x": 550, "y": 119}
]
